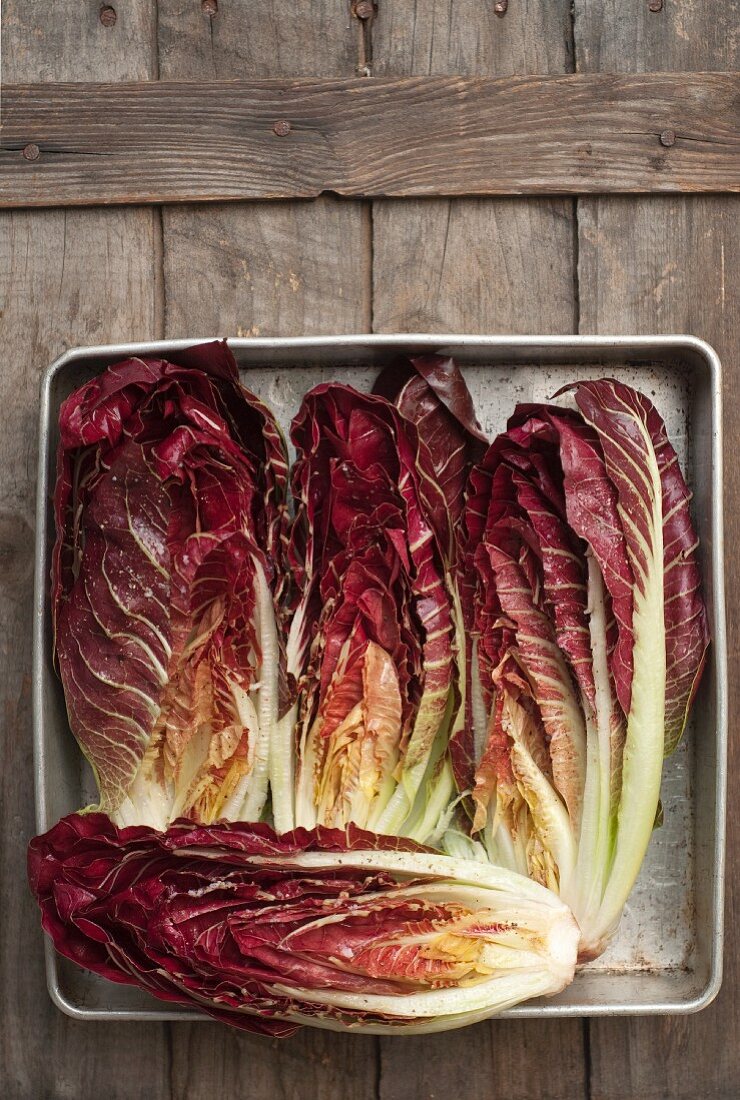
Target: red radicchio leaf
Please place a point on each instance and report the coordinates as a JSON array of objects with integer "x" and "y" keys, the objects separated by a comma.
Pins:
[
  {"x": 616, "y": 412},
  {"x": 580, "y": 550},
  {"x": 367, "y": 548},
  {"x": 430, "y": 391},
  {"x": 265, "y": 932},
  {"x": 169, "y": 502},
  {"x": 590, "y": 503}
]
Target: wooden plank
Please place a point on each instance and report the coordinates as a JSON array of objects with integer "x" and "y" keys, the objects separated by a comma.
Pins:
[
  {"x": 263, "y": 269},
  {"x": 667, "y": 264},
  {"x": 255, "y": 39},
  {"x": 51, "y": 40},
  {"x": 277, "y": 270},
  {"x": 66, "y": 277},
  {"x": 476, "y": 265},
  {"x": 453, "y": 265},
  {"x": 177, "y": 141},
  {"x": 688, "y": 36},
  {"x": 283, "y": 269}
]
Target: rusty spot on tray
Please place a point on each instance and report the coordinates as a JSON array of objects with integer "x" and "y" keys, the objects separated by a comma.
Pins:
[
  {"x": 108, "y": 16},
  {"x": 668, "y": 138},
  {"x": 31, "y": 152},
  {"x": 281, "y": 127}
]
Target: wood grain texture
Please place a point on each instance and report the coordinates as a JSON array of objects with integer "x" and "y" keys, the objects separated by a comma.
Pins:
[
  {"x": 500, "y": 1060},
  {"x": 417, "y": 136},
  {"x": 269, "y": 269},
  {"x": 476, "y": 265},
  {"x": 665, "y": 264},
  {"x": 470, "y": 266},
  {"x": 48, "y": 40},
  {"x": 284, "y": 269},
  {"x": 414, "y": 241},
  {"x": 689, "y": 35},
  {"x": 426, "y": 37},
  {"x": 210, "y": 1060},
  {"x": 256, "y": 39},
  {"x": 66, "y": 277},
  {"x": 265, "y": 269}
]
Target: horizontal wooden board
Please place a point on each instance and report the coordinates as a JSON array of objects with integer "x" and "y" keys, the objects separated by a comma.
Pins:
[{"x": 65, "y": 144}]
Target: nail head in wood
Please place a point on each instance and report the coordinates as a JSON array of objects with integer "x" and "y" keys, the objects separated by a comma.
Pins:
[
  {"x": 209, "y": 7},
  {"x": 500, "y": 8},
  {"x": 108, "y": 16},
  {"x": 31, "y": 152},
  {"x": 364, "y": 9},
  {"x": 281, "y": 127},
  {"x": 668, "y": 138},
  {"x": 656, "y": 5}
]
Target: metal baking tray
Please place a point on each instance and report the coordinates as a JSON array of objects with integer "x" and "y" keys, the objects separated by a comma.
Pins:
[{"x": 667, "y": 955}]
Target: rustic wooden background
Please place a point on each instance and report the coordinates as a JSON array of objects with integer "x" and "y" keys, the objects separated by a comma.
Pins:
[
  {"x": 654, "y": 263},
  {"x": 158, "y": 141}
]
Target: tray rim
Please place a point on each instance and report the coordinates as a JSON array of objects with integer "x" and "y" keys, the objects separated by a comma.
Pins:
[{"x": 657, "y": 343}]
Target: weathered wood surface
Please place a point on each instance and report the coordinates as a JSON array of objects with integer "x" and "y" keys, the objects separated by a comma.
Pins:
[
  {"x": 670, "y": 264},
  {"x": 66, "y": 278},
  {"x": 444, "y": 264},
  {"x": 165, "y": 141},
  {"x": 271, "y": 268}
]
